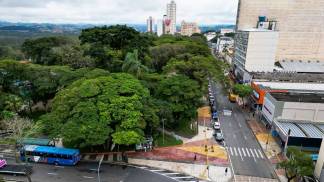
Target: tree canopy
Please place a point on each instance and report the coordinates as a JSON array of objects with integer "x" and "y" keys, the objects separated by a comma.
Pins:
[
  {"x": 242, "y": 90},
  {"x": 182, "y": 96},
  {"x": 44, "y": 50},
  {"x": 93, "y": 111},
  {"x": 298, "y": 164}
]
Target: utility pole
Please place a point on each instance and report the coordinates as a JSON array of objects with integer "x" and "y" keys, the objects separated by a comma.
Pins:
[{"x": 163, "y": 129}]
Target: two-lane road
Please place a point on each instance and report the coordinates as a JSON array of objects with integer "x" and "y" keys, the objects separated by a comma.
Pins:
[{"x": 246, "y": 156}]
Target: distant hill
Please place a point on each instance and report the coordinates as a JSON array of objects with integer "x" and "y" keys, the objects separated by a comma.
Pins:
[
  {"x": 14, "y": 34},
  {"x": 76, "y": 28}
]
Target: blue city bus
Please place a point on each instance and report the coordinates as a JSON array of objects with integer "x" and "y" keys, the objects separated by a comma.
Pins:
[{"x": 50, "y": 155}]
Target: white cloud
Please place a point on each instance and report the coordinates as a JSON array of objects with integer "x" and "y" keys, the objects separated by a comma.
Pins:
[{"x": 116, "y": 11}]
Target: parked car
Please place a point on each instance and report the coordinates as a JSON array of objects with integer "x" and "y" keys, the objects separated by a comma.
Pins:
[
  {"x": 215, "y": 115},
  {"x": 216, "y": 125},
  {"x": 214, "y": 108},
  {"x": 219, "y": 137}
]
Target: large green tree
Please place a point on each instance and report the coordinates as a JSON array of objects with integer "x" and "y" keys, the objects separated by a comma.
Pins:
[
  {"x": 298, "y": 164},
  {"x": 92, "y": 112},
  {"x": 133, "y": 65},
  {"x": 110, "y": 44},
  {"x": 182, "y": 96},
  {"x": 45, "y": 50},
  {"x": 40, "y": 83}
]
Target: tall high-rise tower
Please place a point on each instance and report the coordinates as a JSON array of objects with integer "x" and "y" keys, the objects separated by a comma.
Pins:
[
  {"x": 172, "y": 14},
  {"x": 150, "y": 25}
]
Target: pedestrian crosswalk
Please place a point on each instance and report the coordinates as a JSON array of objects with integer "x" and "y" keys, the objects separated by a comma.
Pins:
[
  {"x": 170, "y": 174},
  {"x": 244, "y": 152}
]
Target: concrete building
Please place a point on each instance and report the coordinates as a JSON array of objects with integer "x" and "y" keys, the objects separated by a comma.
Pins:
[
  {"x": 189, "y": 28},
  {"x": 299, "y": 22},
  {"x": 255, "y": 51},
  {"x": 166, "y": 25},
  {"x": 319, "y": 167},
  {"x": 172, "y": 15},
  {"x": 150, "y": 25},
  {"x": 224, "y": 43},
  {"x": 294, "y": 106},
  {"x": 223, "y": 31},
  {"x": 297, "y": 118},
  {"x": 261, "y": 88},
  {"x": 159, "y": 26},
  {"x": 210, "y": 35}
]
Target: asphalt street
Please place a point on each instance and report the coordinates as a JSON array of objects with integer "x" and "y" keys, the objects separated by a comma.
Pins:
[
  {"x": 87, "y": 172},
  {"x": 246, "y": 155}
]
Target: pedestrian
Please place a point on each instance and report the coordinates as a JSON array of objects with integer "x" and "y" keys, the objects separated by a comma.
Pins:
[
  {"x": 195, "y": 158},
  {"x": 226, "y": 171}
]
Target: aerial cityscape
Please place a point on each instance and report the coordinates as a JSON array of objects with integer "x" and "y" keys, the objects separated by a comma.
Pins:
[{"x": 162, "y": 91}]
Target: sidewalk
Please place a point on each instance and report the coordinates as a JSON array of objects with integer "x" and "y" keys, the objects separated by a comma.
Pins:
[
  {"x": 269, "y": 145},
  {"x": 216, "y": 173}
]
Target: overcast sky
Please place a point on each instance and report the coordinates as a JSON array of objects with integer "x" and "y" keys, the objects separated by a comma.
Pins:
[{"x": 116, "y": 11}]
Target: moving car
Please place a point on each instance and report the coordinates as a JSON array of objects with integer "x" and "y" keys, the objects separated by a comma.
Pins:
[{"x": 232, "y": 97}]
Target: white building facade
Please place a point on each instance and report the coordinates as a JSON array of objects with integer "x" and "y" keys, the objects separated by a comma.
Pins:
[
  {"x": 255, "y": 51},
  {"x": 159, "y": 27},
  {"x": 224, "y": 43},
  {"x": 172, "y": 15}
]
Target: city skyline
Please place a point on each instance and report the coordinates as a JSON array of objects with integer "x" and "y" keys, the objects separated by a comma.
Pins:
[{"x": 111, "y": 12}]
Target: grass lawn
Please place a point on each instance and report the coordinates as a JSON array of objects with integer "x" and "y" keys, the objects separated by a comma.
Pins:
[{"x": 168, "y": 140}]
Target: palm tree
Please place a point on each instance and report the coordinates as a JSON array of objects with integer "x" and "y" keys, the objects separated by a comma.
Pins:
[{"x": 133, "y": 65}]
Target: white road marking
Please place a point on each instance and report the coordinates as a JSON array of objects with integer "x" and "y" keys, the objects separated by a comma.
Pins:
[
  {"x": 231, "y": 150},
  {"x": 142, "y": 167},
  {"x": 245, "y": 137},
  {"x": 256, "y": 153},
  {"x": 169, "y": 173},
  {"x": 157, "y": 170},
  {"x": 235, "y": 151},
  {"x": 243, "y": 152},
  {"x": 183, "y": 177},
  {"x": 252, "y": 152},
  {"x": 247, "y": 151},
  {"x": 240, "y": 125},
  {"x": 52, "y": 174},
  {"x": 240, "y": 153},
  {"x": 88, "y": 177},
  {"x": 260, "y": 154}
]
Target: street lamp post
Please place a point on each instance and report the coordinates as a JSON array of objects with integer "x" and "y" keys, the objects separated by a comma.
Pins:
[{"x": 101, "y": 159}]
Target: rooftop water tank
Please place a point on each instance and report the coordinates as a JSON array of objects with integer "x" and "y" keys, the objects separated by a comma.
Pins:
[{"x": 262, "y": 18}]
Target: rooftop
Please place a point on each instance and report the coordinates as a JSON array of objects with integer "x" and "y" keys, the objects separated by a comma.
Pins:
[
  {"x": 56, "y": 150},
  {"x": 298, "y": 97},
  {"x": 256, "y": 30},
  {"x": 275, "y": 85},
  {"x": 304, "y": 129},
  {"x": 289, "y": 77},
  {"x": 302, "y": 66}
]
